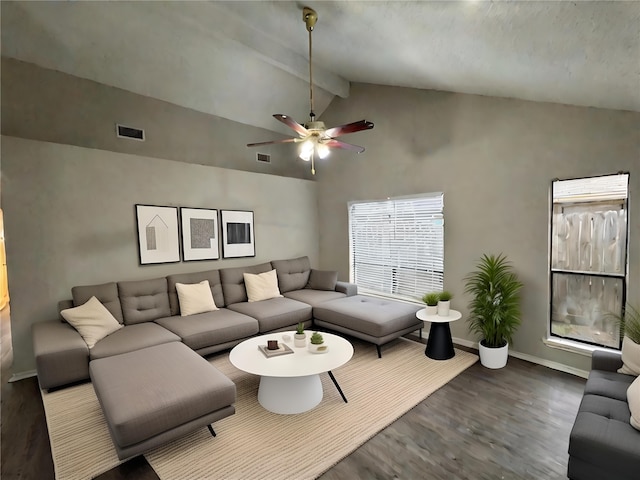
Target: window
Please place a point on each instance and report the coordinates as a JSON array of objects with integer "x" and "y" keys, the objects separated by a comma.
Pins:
[
  {"x": 589, "y": 258},
  {"x": 397, "y": 246}
]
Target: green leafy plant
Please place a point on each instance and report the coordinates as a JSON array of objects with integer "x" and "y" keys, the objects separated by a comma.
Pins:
[
  {"x": 431, "y": 299},
  {"x": 300, "y": 328},
  {"x": 494, "y": 311},
  {"x": 630, "y": 323},
  {"x": 316, "y": 338},
  {"x": 445, "y": 296}
]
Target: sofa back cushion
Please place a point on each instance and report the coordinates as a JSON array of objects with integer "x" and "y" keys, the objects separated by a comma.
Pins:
[
  {"x": 213, "y": 276},
  {"x": 233, "y": 282},
  {"x": 292, "y": 274},
  {"x": 144, "y": 300},
  {"x": 106, "y": 293}
]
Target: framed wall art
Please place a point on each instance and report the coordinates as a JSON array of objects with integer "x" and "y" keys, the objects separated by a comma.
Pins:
[
  {"x": 199, "y": 234},
  {"x": 158, "y": 240},
  {"x": 238, "y": 238}
]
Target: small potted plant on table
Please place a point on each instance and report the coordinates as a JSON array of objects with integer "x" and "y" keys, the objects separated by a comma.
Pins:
[
  {"x": 444, "y": 303},
  {"x": 300, "y": 338},
  {"x": 316, "y": 343},
  {"x": 431, "y": 300}
]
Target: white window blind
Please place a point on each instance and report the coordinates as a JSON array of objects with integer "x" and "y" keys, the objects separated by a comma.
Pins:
[
  {"x": 397, "y": 245},
  {"x": 593, "y": 189}
]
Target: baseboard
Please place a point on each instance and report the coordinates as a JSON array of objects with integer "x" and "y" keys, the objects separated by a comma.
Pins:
[
  {"x": 531, "y": 358},
  {"x": 22, "y": 375}
]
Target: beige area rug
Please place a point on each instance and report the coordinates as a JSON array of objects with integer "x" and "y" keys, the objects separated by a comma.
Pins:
[{"x": 255, "y": 443}]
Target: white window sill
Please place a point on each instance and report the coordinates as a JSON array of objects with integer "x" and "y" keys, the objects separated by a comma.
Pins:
[{"x": 573, "y": 346}]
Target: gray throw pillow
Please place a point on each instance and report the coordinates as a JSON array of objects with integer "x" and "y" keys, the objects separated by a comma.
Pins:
[{"x": 322, "y": 280}]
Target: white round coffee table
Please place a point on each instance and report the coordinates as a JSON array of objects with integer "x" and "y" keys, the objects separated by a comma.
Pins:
[
  {"x": 439, "y": 344},
  {"x": 291, "y": 383}
]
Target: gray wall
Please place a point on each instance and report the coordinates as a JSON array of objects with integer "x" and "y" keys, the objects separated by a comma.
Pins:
[
  {"x": 70, "y": 220},
  {"x": 51, "y": 106},
  {"x": 494, "y": 160}
]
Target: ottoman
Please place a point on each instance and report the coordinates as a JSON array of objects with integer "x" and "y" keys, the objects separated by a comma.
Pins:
[
  {"x": 372, "y": 319},
  {"x": 156, "y": 394}
]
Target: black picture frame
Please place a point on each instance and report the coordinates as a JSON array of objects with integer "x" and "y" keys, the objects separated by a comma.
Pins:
[
  {"x": 158, "y": 234},
  {"x": 199, "y": 231},
  {"x": 238, "y": 233}
]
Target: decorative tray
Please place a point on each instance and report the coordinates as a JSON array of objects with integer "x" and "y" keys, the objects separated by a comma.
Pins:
[{"x": 282, "y": 350}]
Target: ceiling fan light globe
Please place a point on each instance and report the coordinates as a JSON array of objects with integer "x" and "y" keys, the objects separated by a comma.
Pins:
[{"x": 323, "y": 150}]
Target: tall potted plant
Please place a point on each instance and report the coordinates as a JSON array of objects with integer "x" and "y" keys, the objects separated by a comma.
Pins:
[
  {"x": 494, "y": 311},
  {"x": 630, "y": 328}
]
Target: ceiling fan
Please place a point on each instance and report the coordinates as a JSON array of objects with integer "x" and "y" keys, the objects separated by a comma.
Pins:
[{"x": 314, "y": 136}]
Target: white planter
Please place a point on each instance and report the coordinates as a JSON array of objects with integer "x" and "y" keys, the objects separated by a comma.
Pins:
[
  {"x": 493, "y": 357},
  {"x": 318, "y": 347},
  {"x": 443, "y": 308},
  {"x": 431, "y": 310},
  {"x": 300, "y": 340}
]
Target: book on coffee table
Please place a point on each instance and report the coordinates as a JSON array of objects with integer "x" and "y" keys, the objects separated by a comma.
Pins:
[{"x": 281, "y": 350}]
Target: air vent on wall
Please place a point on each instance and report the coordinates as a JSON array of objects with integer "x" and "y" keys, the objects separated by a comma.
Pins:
[
  {"x": 129, "y": 132},
  {"x": 263, "y": 158}
]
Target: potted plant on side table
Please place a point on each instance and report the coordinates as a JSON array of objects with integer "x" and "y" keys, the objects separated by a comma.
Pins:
[
  {"x": 300, "y": 338},
  {"x": 431, "y": 300},
  {"x": 444, "y": 303},
  {"x": 494, "y": 311}
]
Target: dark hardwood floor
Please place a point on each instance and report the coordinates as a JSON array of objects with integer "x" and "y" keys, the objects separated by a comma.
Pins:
[{"x": 511, "y": 423}]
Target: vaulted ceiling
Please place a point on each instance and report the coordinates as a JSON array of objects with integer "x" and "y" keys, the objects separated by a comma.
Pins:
[{"x": 248, "y": 60}]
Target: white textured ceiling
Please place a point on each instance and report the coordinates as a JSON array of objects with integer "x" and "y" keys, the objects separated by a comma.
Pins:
[{"x": 248, "y": 60}]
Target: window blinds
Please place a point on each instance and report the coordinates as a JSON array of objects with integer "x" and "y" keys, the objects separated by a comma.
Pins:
[
  {"x": 593, "y": 189},
  {"x": 397, "y": 245}
]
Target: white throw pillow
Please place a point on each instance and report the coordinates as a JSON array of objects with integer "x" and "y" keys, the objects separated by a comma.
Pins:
[
  {"x": 92, "y": 320},
  {"x": 195, "y": 298},
  {"x": 630, "y": 357},
  {"x": 633, "y": 397},
  {"x": 262, "y": 286}
]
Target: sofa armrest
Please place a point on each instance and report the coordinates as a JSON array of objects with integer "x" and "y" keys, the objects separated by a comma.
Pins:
[
  {"x": 606, "y": 360},
  {"x": 349, "y": 289},
  {"x": 62, "y": 356}
]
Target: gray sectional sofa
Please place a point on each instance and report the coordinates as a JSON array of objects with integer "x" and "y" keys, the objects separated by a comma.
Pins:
[
  {"x": 603, "y": 444},
  {"x": 150, "y": 313}
]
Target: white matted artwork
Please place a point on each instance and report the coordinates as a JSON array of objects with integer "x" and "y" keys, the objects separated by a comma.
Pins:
[
  {"x": 158, "y": 240},
  {"x": 199, "y": 234},
  {"x": 238, "y": 238}
]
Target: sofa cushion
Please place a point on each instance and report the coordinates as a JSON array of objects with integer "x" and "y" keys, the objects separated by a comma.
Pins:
[
  {"x": 233, "y": 281},
  {"x": 144, "y": 300},
  {"x": 322, "y": 280},
  {"x": 292, "y": 274},
  {"x": 195, "y": 298},
  {"x": 633, "y": 398},
  {"x": 262, "y": 286},
  {"x": 314, "y": 297},
  {"x": 131, "y": 338},
  {"x": 106, "y": 293},
  {"x": 275, "y": 313},
  {"x": 630, "y": 357},
  {"x": 212, "y": 328},
  {"x": 212, "y": 276},
  {"x": 608, "y": 384},
  {"x": 92, "y": 321}
]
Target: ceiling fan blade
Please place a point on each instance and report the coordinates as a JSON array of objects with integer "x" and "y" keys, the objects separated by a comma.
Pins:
[
  {"x": 343, "y": 145},
  {"x": 348, "y": 128},
  {"x": 286, "y": 140},
  {"x": 291, "y": 123}
]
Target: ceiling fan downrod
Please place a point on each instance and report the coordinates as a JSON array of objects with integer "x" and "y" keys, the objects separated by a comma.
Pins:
[{"x": 310, "y": 17}]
